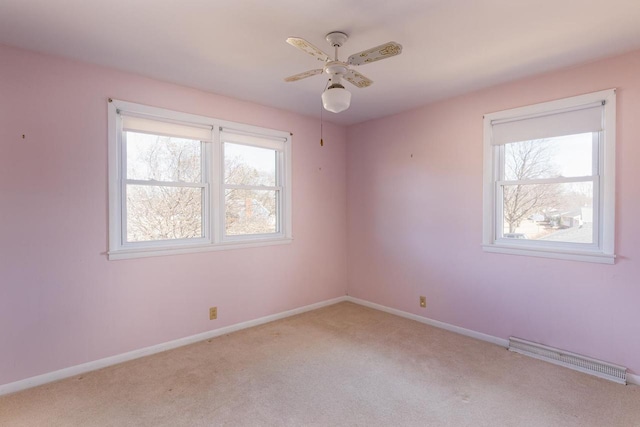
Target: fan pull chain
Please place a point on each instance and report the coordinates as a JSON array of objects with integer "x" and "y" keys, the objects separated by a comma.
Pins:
[
  {"x": 321, "y": 141},
  {"x": 321, "y": 115}
]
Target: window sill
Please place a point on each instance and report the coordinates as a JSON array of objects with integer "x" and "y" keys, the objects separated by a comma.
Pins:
[
  {"x": 596, "y": 257},
  {"x": 130, "y": 253}
]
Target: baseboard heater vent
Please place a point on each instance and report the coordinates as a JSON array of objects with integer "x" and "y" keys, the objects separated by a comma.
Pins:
[{"x": 574, "y": 361}]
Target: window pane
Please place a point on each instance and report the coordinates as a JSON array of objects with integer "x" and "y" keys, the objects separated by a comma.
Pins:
[
  {"x": 565, "y": 156},
  {"x": 549, "y": 212},
  {"x": 250, "y": 212},
  {"x": 247, "y": 165},
  {"x": 163, "y": 213},
  {"x": 163, "y": 158}
]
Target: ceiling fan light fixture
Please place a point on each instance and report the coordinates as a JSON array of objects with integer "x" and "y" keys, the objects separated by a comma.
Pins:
[{"x": 336, "y": 98}]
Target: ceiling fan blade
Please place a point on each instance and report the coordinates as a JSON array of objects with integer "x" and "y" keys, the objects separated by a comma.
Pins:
[
  {"x": 303, "y": 75},
  {"x": 386, "y": 50},
  {"x": 357, "y": 79},
  {"x": 305, "y": 46}
]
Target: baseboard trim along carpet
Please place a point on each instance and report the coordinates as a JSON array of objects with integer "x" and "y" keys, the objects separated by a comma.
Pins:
[
  {"x": 135, "y": 354},
  {"x": 630, "y": 378},
  {"x": 442, "y": 325}
]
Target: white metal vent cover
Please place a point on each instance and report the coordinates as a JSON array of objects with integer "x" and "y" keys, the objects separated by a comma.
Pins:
[{"x": 601, "y": 369}]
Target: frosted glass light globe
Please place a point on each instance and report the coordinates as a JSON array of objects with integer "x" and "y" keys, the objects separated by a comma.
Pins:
[{"x": 336, "y": 99}]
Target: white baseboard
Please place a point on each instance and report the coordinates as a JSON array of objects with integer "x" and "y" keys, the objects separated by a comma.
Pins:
[
  {"x": 442, "y": 325},
  {"x": 135, "y": 354},
  {"x": 113, "y": 360},
  {"x": 631, "y": 378}
]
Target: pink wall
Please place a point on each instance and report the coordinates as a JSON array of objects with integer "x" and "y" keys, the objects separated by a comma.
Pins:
[
  {"x": 415, "y": 223},
  {"x": 62, "y": 303}
]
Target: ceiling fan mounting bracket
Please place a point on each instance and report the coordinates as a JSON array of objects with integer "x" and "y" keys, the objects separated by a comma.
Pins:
[{"x": 337, "y": 38}]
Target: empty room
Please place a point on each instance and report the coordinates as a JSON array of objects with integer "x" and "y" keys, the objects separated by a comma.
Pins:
[{"x": 338, "y": 213}]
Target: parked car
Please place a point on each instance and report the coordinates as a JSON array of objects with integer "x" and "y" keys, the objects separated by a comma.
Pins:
[{"x": 514, "y": 236}]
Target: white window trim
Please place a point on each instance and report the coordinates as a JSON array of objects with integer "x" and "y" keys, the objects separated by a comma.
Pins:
[
  {"x": 604, "y": 252},
  {"x": 213, "y": 222}
]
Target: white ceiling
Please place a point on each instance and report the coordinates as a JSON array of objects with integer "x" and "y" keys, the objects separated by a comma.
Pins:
[{"x": 237, "y": 47}]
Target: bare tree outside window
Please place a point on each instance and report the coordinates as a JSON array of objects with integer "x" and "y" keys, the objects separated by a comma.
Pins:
[
  {"x": 525, "y": 161},
  {"x": 161, "y": 207},
  {"x": 251, "y": 209},
  {"x": 541, "y": 210},
  {"x": 156, "y": 211}
]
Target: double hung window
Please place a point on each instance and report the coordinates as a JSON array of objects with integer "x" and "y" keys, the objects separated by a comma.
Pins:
[
  {"x": 549, "y": 179},
  {"x": 185, "y": 183},
  {"x": 251, "y": 186}
]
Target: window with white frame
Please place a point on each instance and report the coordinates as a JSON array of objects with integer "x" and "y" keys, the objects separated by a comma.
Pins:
[
  {"x": 184, "y": 183},
  {"x": 549, "y": 177}
]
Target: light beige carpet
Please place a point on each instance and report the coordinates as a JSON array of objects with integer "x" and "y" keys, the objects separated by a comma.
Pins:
[{"x": 343, "y": 365}]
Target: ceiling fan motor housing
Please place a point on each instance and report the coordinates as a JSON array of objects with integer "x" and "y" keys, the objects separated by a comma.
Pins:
[{"x": 336, "y": 67}]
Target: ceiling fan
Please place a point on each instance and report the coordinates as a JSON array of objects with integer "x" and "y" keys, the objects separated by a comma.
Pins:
[{"x": 336, "y": 98}]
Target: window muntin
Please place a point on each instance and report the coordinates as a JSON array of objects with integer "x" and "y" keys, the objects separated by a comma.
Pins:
[
  {"x": 549, "y": 179},
  {"x": 168, "y": 185}
]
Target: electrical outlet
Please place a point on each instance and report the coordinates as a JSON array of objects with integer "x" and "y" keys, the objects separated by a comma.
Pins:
[
  {"x": 213, "y": 313},
  {"x": 423, "y": 302}
]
